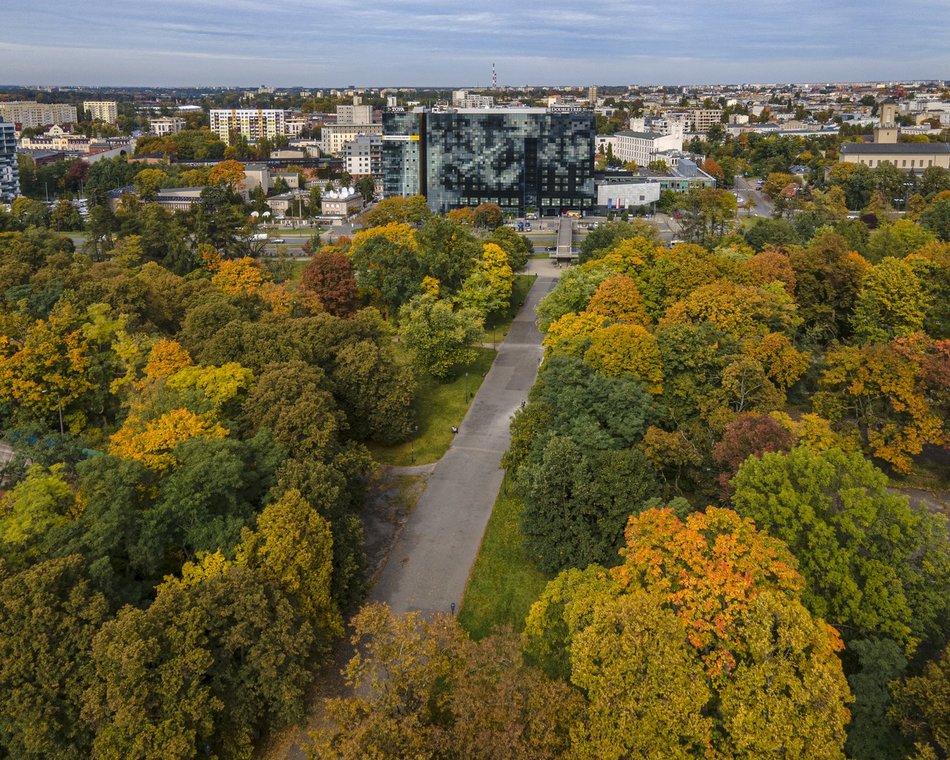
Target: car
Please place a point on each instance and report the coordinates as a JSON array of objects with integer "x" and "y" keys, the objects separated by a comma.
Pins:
[{"x": 277, "y": 240}]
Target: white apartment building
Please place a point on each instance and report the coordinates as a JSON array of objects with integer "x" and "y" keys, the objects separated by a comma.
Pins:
[
  {"x": 465, "y": 99},
  {"x": 26, "y": 113},
  {"x": 253, "y": 123},
  {"x": 102, "y": 110},
  {"x": 672, "y": 124},
  {"x": 294, "y": 126},
  {"x": 334, "y": 136},
  {"x": 9, "y": 171},
  {"x": 166, "y": 125},
  {"x": 364, "y": 155},
  {"x": 640, "y": 147}
]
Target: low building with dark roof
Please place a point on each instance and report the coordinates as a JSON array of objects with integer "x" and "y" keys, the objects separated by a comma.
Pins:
[{"x": 915, "y": 157}]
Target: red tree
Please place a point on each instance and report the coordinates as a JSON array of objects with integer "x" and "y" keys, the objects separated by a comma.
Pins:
[
  {"x": 750, "y": 435},
  {"x": 329, "y": 276}
]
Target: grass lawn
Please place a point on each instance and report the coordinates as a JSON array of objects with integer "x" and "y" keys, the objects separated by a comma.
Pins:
[
  {"x": 504, "y": 583},
  {"x": 438, "y": 407}
]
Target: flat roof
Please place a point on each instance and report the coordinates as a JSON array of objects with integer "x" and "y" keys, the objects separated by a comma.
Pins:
[
  {"x": 911, "y": 149},
  {"x": 641, "y": 135}
]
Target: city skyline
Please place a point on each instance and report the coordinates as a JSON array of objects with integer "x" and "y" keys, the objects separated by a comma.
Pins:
[{"x": 418, "y": 42}]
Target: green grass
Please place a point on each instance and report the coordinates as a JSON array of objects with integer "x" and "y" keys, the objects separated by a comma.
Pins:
[
  {"x": 504, "y": 582},
  {"x": 438, "y": 407}
]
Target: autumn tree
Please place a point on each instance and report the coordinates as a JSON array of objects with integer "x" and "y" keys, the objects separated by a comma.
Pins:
[
  {"x": 488, "y": 288},
  {"x": 876, "y": 391},
  {"x": 293, "y": 546},
  {"x": 627, "y": 349},
  {"x": 488, "y": 215},
  {"x": 329, "y": 276},
  {"x": 709, "y": 601},
  {"x": 228, "y": 173},
  {"x": 873, "y": 566},
  {"x": 618, "y": 299},
  {"x": 49, "y": 615},
  {"x": 438, "y": 337},
  {"x": 402, "y": 210},
  {"x": 749, "y": 435},
  {"x": 423, "y": 689}
]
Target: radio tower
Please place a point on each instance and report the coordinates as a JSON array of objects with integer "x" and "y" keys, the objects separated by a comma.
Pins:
[{"x": 494, "y": 77}]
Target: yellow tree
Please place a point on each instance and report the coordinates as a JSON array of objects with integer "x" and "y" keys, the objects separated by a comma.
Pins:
[
  {"x": 618, "y": 299},
  {"x": 48, "y": 368},
  {"x": 229, "y": 173},
  {"x": 153, "y": 443},
  {"x": 631, "y": 350},
  {"x": 240, "y": 277}
]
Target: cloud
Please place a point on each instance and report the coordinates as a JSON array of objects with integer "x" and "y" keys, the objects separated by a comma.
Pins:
[{"x": 328, "y": 42}]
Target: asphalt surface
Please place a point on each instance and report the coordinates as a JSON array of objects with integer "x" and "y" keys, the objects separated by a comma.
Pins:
[{"x": 429, "y": 566}]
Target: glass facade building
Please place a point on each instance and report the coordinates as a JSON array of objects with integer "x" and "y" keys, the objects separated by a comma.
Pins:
[{"x": 522, "y": 159}]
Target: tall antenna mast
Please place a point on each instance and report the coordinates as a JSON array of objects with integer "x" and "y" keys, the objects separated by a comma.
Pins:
[{"x": 494, "y": 77}]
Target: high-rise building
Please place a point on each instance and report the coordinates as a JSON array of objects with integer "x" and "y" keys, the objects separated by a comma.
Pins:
[
  {"x": 520, "y": 159},
  {"x": 252, "y": 123},
  {"x": 9, "y": 173},
  {"x": 592, "y": 95},
  {"x": 103, "y": 110},
  {"x": 363, "y": 155},
  {"x": 29, "y": 113}
]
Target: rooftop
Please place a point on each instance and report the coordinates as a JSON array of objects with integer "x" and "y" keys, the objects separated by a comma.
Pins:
[{"x": 911, "y": 149}]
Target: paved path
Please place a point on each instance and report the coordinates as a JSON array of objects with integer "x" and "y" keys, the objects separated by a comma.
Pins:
[{"x": 429, "y": 566}]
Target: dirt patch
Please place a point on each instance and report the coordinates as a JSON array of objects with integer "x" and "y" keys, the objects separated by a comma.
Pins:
[{"x": 392, "y": 496}]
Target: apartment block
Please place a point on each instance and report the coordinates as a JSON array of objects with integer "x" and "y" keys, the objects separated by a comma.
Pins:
[
  {"x": 101, "y": 110},
  {"x": 30, "y": 114},
  {"x": 253, "y": 123},
  {"x": 9, "y": 172}
]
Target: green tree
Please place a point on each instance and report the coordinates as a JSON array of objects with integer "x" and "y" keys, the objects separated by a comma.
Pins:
[
  {"x": 873, "y": 565},
  {"x": 922, "y": 705},
  {"x": 488, "y": 288},
  {"x": 387, "y": 270},
  {"x": 936, "y": 218},
  {"x": 896, "y": 239},
  {"x": 872, "y": 735},
  {"x": 577, "y": 502},
  {"x": 48, "y": 617},
  {"x": 891, "y": 303},
  {"x": 438, "y": 337}
]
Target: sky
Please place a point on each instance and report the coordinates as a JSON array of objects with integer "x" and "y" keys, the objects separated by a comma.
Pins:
[{"x": 325, "y": 43}]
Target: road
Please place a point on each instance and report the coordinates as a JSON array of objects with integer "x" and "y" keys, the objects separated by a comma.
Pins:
[
  {"x": 746, "y": 189},
  {"x": 430, "y": 564}
]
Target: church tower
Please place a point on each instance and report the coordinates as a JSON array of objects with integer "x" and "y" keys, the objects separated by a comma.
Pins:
[{"x": 886, "y": 132}]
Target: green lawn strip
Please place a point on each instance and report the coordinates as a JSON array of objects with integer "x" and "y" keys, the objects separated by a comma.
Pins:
[
  {"x": 504, "y": 582},
  {"x": 438, "y": 407},
  {"x": 496, "y": 330}
]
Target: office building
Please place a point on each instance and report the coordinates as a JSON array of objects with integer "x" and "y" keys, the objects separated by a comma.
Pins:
[
  {"x": 342, "y": 202},
  {"x": 24, "y": 114},
  {"x": 9, "y": 172},
  {"x": 253, "y": 123},
  {"x": 364, "y": 155},
  {"x": 101, "y": 110},
  {"x": 166, "y": 125},
  {"x": 521, "y": 159}
]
